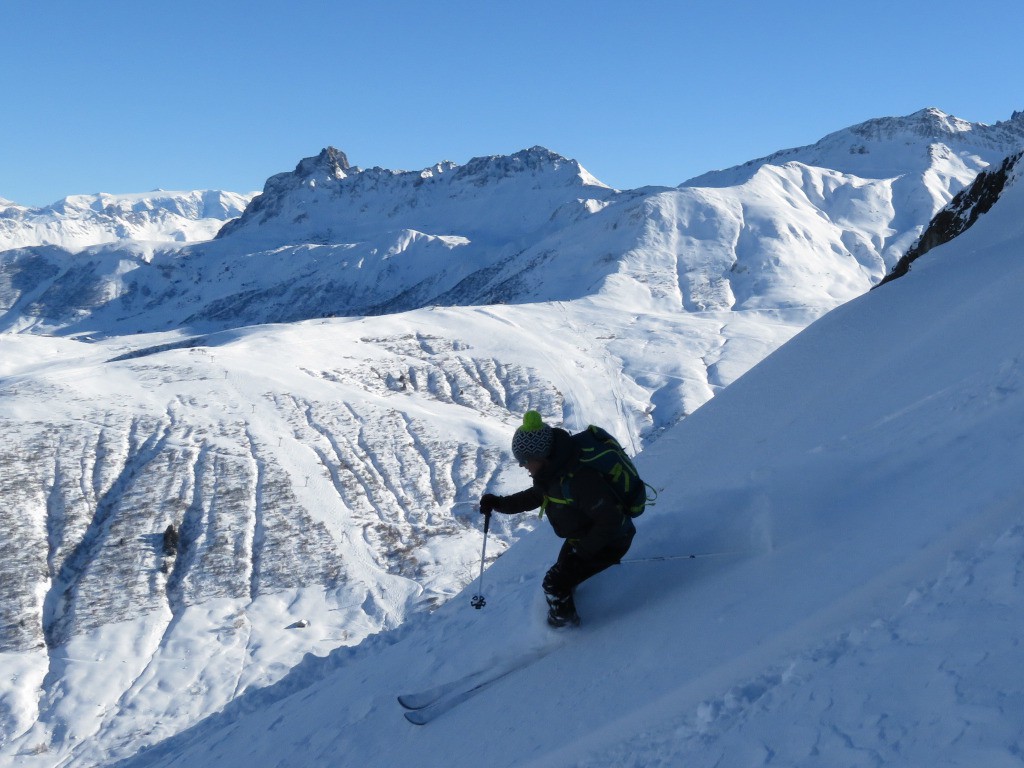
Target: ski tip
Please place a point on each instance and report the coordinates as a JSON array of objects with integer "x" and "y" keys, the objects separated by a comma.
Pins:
[
  {"x": 415, "y": 717},
  {"x": 410, "y": 702}
]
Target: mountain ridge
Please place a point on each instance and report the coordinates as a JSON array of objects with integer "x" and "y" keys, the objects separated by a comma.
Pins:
[
  {"x": 294, "y": 201},
  {"x": 860, "y": 149}
]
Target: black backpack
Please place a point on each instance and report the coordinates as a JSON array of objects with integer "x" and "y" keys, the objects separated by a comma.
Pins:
[{"x": 600, "y": 451}]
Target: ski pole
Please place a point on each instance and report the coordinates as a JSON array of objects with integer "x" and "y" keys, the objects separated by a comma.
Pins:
[
  {"x": 692, "y": 556},
  {"x": 478, "y": 600}
]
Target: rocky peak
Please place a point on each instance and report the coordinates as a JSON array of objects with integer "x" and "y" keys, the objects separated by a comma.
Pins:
[
  {"x": 934, "y": 125},
  {"x": 329, "y": 167},
  {"x": 534, "y": 161},
  {"x": 929, "y": 123},
  {"x": 330, "y": 162},
  {"x": 325, "y": 197}
]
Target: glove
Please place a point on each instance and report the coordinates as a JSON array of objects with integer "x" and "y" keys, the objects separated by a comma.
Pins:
[{"x": 488, "y": 503}]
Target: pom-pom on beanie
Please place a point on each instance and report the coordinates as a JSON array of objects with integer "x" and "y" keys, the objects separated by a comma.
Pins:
[{"x": 533, "y": 440}]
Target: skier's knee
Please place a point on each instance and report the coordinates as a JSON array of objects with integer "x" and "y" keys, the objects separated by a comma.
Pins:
[{"x": 554, "y": 584}]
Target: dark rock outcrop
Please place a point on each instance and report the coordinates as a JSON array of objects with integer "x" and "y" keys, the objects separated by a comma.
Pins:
[{"x": 959, "y": 216}]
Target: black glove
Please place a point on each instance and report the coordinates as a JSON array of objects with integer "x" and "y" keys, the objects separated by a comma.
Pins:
[{"x": 488, "y": 503}]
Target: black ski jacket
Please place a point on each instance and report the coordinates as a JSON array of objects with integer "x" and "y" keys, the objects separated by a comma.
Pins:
[{"x": 577, "y": 500}]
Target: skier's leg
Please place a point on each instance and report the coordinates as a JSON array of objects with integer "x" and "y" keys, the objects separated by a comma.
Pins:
[
  {"x": 569, "y": 571},
  {"x": 559, "y": 583}
]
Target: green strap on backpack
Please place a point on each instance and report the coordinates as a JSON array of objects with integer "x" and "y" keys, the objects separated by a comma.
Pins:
[{"x": 602, "y": 452}]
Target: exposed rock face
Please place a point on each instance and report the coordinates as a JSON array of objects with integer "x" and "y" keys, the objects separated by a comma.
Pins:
[{"x": 960, "y": 215}]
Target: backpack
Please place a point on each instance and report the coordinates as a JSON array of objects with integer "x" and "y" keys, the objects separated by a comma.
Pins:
[{"x": 600, "y": 451}]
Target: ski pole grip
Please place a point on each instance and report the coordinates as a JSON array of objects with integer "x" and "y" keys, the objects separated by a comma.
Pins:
[{"x": 487, "y": 522}]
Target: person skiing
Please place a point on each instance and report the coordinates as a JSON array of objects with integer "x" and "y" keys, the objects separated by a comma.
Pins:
[{"x": 581, "y": 506}]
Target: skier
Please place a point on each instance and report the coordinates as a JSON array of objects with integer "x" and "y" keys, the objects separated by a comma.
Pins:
[{"x": 579, "y": 503}]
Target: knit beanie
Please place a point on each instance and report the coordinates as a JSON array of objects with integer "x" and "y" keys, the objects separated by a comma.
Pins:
[{"x": 533, "y": 440}]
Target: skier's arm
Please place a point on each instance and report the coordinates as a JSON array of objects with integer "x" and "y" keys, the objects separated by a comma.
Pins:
[{"x": 523, "y": 501}]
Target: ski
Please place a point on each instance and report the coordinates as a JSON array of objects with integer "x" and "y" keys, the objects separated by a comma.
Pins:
[
  {"x": 432, "y": 711},
  {"x": 425, "y": 698},
  {"x": 431, "y": 703}
]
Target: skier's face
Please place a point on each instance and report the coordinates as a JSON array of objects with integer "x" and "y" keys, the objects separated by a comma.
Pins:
[{"x": 533, "y": 466}]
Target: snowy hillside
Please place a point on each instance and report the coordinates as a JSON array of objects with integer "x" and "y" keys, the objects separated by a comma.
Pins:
[
  {"x": 921, "y": 161},
  {"x": 855, "y": 501},
  {"x": 313, "y": 401},
  {"x": 81, "y": 221}
]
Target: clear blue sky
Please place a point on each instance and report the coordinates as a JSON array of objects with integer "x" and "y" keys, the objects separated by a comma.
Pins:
[{"x": 128, "y": 96}]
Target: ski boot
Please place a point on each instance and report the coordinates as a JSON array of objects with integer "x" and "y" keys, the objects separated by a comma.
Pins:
[{"x": 562, "y": 612}]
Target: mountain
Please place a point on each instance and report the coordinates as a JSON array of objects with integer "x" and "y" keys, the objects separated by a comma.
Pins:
[
  {"x": 312, "y": 416},
  {"x": 445, "y": 235},
  {"x": 81, "y": 221},
  {"x": 925, "y": 158},
  {"x": 327, "y": 200},
  {"x": 329, "y": 239},
  {"x": 854, "y": 599},
  {"x": 928, "y": 144}
]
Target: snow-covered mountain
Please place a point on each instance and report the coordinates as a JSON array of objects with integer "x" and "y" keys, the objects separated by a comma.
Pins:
[
  {"x": 330, "y": 240},
  {"x": 927, "y": 144},
  {"x": 855, "y": 505},
  {"x": 81, "y": 221},
  {"x": 327, "y": 200},
  {"x": 325, "y": 468}
]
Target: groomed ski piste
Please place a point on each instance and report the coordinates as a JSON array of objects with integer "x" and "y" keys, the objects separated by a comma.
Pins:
[{"x": 860, "y": 498}]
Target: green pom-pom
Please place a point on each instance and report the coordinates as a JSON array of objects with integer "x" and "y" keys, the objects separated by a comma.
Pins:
[{"x": 532, "y": 422}]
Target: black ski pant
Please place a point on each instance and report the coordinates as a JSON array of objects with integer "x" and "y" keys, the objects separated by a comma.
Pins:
[{"x": 572, "y": 569}]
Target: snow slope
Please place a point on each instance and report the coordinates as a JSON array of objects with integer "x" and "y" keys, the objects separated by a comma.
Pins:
[{"x": 858, "y": 497}]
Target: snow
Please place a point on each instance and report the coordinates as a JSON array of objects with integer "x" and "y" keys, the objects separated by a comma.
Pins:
[{"x": 859, "y": 498}]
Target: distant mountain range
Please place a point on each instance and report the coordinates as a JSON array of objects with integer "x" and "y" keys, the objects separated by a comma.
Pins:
[
  {"x": 81, "y": 221},
  {"x": 809, "y": 226}
]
